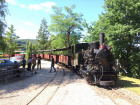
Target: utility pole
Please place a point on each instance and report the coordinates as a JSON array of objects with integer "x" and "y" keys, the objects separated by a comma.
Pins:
[{"x": 68, "y": 33}]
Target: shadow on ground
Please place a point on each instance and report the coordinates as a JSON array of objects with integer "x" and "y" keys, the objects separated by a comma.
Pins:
[
  {"x": 42, "y": 78},
  {"x": 127, "y": 83}
]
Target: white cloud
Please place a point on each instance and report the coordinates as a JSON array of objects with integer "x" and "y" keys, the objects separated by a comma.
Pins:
[
  {"x": 47, "y": 6},
  {"x": 35, "y": 6},
  {"x": 22, "y": 5},
  {"x": 47, "y": 10},
  {"x": 13, "y": 2},
  {"x": 27, "y": 23}
]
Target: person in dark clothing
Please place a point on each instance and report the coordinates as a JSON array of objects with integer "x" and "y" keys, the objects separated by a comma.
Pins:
[
  {"x": 39, "y": 62},
  {"x": 52, "y": 64},
  {"x": 29, "y": 63},
  {"x": 23, "y": 62},
  {"x": 34, "y": 63}
]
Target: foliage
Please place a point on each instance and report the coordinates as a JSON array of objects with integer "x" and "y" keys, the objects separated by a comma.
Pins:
[
  {"x": 3, "y": 12},
  {"x": 121, "y": 25},
  {"x": 93, "y": 30},
  {"x": 61, "y": 22},
  {"x": 34, "y": 49},
  {"x": 123, "y": 32},
  {"x": 23, "y": 42},
  {"x": 43, "y": 35},
  {"x": 10, "y": 38},
  {"x": 28, "y": 51},
  {"x": 3, "y": 44}
]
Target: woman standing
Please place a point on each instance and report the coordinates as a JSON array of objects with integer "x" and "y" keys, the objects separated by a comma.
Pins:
[{"x": 29, "y": 63}]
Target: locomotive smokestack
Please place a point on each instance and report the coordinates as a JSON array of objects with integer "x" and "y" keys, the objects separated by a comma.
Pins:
[{"x": 101, "y": 35}]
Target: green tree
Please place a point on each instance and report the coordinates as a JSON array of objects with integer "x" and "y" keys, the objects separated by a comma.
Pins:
[
  {"x": 28, "y": 50},
  {"x": 3, "y": 11},
  {"x": 121, "y": 25},
  {"x": 10, "y": 40},
  {"x": 43, "y": 35},
  {"x": 93, "y": 30},
  {"x": 3, "y": 45},
  {"x": 61, "y": 23},
  {"x": 124, "y": 31}
]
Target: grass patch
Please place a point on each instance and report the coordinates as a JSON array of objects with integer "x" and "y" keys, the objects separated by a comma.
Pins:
[
  {"x": 129, "y": 83},
  {"x": 1, "y": 56}
]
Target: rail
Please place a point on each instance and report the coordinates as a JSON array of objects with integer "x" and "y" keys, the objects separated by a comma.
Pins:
[{"x": 47, "y": 85}]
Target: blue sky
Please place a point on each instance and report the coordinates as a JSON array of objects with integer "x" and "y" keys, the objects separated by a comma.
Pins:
[{"x": 26, "y": 15}]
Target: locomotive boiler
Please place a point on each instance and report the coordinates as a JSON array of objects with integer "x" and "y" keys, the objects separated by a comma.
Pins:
[{"x": 97, "y": 64}]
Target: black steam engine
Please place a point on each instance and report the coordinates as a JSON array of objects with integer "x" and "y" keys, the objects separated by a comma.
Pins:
[{"x": 97, "y": 64}]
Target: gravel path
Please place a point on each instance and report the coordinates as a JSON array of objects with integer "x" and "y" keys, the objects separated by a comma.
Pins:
[
  {"x": 20, "y": 92},
  {"x": 72, "y": 91}
]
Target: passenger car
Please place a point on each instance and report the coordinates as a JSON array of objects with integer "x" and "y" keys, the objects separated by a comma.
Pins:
[{"x": 6, "y": 63}]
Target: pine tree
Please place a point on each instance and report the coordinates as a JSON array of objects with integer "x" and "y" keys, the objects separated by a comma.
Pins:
[
  {"x": 43, "y": 35},
  {"x": 10, "y": 40},
  {"x": 28, "y": 50},
  {"x": 3, "y": 11}
]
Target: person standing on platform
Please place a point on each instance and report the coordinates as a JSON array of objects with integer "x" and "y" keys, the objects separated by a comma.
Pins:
[
  {"x": 52, "y": 65},
  {"x": 34, "y": 63},
  {"x": 39, "y": 62},
  {"x": 23, "y": 62},
  {"x": 29, "y": 63}
]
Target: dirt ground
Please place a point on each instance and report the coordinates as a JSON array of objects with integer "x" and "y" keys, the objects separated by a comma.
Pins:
[{"x": 67, "y": 90}]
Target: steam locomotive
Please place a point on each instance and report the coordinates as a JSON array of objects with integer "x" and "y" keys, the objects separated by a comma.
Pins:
[{"x": 97, "y": 64}]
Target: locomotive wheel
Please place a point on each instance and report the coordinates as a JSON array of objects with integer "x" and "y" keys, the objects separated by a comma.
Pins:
[{"x": 90, "y": 79}]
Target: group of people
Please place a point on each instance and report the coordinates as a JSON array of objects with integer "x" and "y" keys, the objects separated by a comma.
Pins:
[{"x": 32, "y": 63}]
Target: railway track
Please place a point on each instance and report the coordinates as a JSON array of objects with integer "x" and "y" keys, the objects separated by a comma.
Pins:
[
  {"x": 62, "y": 92},
  {"x": 113, "y": 95},
  {"x": 49, "y": 90},
  {"x": 123, "y": 97},
  {"x": 51, "y": 95}
]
